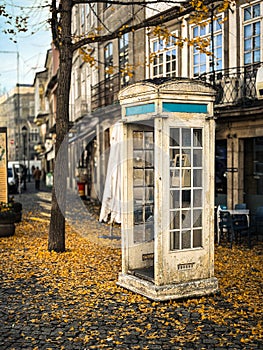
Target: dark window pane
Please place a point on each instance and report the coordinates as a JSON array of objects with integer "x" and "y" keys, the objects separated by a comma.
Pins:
[
  {"x": 174, "y": 137},
  {"x": 197, "y": 238},
  {"x": 175, "y": 240},
  {"x": 174, "y": 220},
  {"x": 186, "y": 199}
]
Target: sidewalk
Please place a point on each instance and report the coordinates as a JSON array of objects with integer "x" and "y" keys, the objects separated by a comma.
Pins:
[
  {"x": 79, "y": 215},
  {"x": 71, "y": 301}
]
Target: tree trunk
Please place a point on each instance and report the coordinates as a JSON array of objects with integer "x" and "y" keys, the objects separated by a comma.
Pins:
[{"x": 56, "y": 241}]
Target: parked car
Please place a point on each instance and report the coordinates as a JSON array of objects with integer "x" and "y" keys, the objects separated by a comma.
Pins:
[
  {"x": 12, "y": 181},
  {"x": 16, "y": 172}
]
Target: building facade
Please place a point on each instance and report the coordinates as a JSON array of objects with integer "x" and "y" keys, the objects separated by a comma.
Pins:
[
  {"x": 237, "y": 53},
  {"x": 234, "y": 40},
  {"x": 17, "y": 114}
]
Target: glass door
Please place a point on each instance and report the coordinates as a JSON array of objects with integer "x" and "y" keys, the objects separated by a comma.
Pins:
[{"x": 143, "y": 186}]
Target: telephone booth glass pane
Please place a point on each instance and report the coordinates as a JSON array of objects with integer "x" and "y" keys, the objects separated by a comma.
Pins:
[
  {"x": 143, "y": 186},
  {"x": 186, "y": 187}
]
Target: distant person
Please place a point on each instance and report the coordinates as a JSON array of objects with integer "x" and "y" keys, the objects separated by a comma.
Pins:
[
  {"x": 33, "y": 168},
  {"x": 37, "y": 177}
]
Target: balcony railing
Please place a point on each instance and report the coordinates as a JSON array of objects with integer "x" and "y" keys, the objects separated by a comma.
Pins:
[
  {"x": 234, "y": 86},
  {"x": 106, "y": 92}
]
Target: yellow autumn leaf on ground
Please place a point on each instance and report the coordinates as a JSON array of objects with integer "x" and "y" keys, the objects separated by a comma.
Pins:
[{"x": 72, "y": 299}]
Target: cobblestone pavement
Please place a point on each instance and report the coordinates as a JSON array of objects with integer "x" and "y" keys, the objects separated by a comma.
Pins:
[{"x": 137, "y": 323}]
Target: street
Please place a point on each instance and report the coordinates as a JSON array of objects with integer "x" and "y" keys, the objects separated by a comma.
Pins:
[{"x": 71, "y": 301}]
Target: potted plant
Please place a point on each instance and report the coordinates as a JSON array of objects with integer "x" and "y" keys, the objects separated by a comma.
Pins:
[
  {"x": 17, "y": 208},
  {"x": 8, "y": 217}
]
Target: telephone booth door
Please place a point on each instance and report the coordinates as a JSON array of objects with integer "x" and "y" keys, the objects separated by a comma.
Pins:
[{"x": 140, "y": 203}]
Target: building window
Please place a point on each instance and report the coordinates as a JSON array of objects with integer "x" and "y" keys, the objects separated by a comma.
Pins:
[
  {"x": 124, "y": 59},
  {"x": 186, "y": 188},
  {"x": 108, "y": 59},
  {"x": 252, "y": 33},
  {"x": 163, "y": 58},
  {"x": 202, "y": 62}
]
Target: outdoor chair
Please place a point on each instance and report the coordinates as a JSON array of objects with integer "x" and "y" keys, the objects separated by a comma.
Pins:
[
  {"x": 259, "y": 220},
  {"x": 257, "y": 223},
  {"x": 241, "y": 206},
  {"x": 226, "y": 226},
  {"x": 241, "y": 228}
]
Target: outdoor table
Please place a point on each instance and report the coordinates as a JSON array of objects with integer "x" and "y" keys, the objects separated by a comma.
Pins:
[{"x": 232, "y": 212}]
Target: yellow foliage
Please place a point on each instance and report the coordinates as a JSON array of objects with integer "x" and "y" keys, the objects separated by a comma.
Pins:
[
  {"x": 87, "y": 57},
  {"x": 80, "y": 284}
]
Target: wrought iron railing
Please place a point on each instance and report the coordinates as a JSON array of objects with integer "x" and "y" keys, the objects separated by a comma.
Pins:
[
  {"x": 234, "y": 86},
  {"x": 106, "y": 92}
]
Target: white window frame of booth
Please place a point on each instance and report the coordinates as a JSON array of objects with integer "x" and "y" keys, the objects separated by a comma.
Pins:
[
  {"x": 251, "y": 22},
  {"x": 161, "y": 52},
  {"x": 191, "y": 188},
  {"x": 201, "y": 62}
]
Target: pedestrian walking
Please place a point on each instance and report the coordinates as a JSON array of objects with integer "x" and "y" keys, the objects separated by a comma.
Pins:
[{"x": 37, "y": 177}]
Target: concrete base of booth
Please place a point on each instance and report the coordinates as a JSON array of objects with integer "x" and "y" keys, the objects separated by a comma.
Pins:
[{"x": 172, "y": 291}]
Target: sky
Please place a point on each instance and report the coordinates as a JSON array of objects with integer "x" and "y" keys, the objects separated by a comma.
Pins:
[{"x": 31, "y": 46}]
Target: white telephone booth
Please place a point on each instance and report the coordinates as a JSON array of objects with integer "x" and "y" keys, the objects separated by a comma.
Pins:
[{"x": 168, "y": 189}]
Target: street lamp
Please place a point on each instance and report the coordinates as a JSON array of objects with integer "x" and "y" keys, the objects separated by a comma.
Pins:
[{"x": 24, "y": 134}]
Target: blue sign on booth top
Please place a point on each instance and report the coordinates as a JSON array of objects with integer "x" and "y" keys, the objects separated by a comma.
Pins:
[
  {"x": 167, "y": 107},
  {"x": 184, "y": 107}
]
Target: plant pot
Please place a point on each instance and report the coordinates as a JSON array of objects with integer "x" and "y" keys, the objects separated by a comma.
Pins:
[
  {"x": 7, "y": 217},
  {"x": 7, "y": 230},
  {"x": 18, "y": 216},
  {"x": 17, "y": 207}
]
